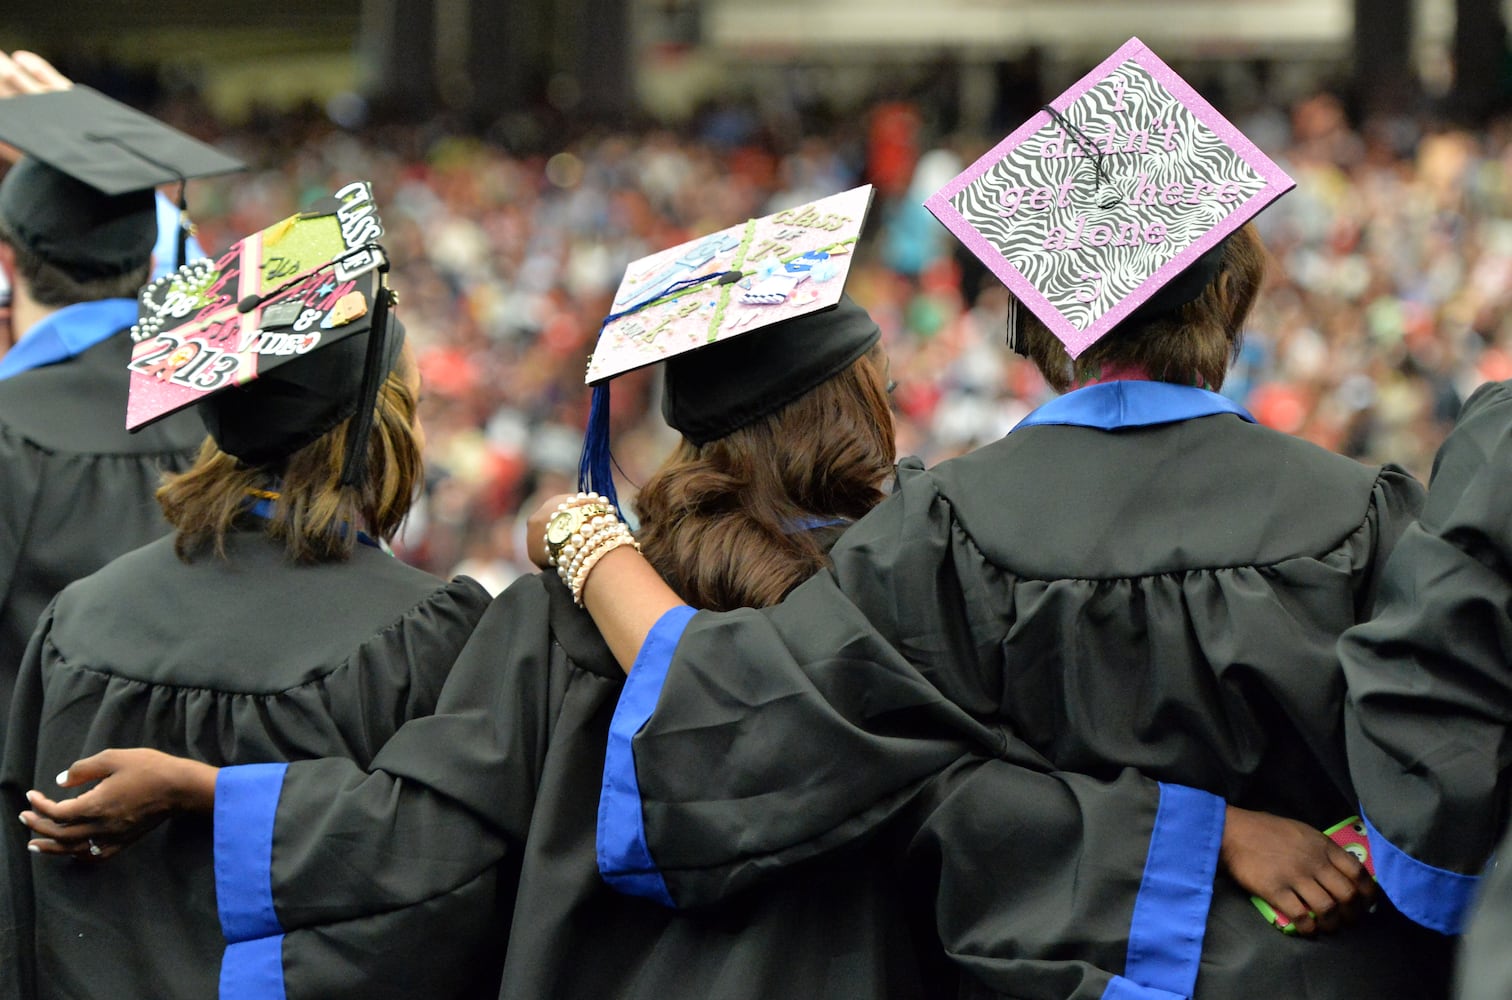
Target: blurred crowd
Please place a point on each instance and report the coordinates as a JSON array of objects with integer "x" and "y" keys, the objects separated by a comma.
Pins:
[{"x": 1385, "y": 306}]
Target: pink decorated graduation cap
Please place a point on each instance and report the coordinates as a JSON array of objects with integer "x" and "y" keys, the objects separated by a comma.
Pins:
[
  {"x": 280, "y": 338},
  {"x": 1101, "y": 201},
  {"x": 783, "y": 273}
]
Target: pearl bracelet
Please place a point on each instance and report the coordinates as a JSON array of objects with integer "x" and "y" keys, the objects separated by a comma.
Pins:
[
  {"x": 614, "y": 540},
  {"x": 591, "y": 544}
]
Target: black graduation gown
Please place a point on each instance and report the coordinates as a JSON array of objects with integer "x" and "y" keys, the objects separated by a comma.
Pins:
[
  {"x": 1430, "y": 679},
  {"x": 1139, "y": 585},
  {"x": 246, "y": 659},
  {"x": 76, "y": 490},
  {"x": 505, "y": 777}
]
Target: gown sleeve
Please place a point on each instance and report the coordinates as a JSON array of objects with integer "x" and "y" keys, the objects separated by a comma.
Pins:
[
  {"x": 22, "y": 482},
  {"x": 16, "y": 888},
  {"x": 309, "y": 845},
  {"x": 1056, "y": 886},
  {"x": 1430, "y": 689}
]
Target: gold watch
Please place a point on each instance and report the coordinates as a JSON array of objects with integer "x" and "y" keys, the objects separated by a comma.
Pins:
[{"x": 566, "y": 523}]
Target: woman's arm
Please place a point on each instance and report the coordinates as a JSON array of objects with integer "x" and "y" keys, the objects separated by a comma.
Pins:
[
  {"x": 138, "y": 789},
  {"x": 625, "y": 596}
]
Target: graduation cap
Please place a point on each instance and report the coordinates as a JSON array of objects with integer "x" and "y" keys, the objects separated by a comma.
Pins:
[
  {"x": 1111, "y": 203},
  {"x": 748, "y": 319},
  {"x": 278, "y": 340},
  {"x": 83, "y": 197}
]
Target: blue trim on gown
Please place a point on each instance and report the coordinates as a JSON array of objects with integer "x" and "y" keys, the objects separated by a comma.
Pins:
[
  {"x": 67, "y": 333},
  {"x": 1436, "y": 898},
  {"x": 1112, "y": 406},
  {"x": 246, "y": 802},
  {"x": 624, "y": 859},
  {"x": 253, "y": 970},
  {"x": 1171, "y": 909}
]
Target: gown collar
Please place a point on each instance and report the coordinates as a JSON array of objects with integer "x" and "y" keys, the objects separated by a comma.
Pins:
[
  {"x": 1123, "y": 403},
  {"x": 68, "y": 333},
  {"x": 263, "y": 508}
]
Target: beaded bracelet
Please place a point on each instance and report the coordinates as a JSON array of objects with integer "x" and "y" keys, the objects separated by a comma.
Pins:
[
  {"x": 614, "y": 540},
  {"x": 599, "y": 536},
  {"x": 575, "y": 519}
]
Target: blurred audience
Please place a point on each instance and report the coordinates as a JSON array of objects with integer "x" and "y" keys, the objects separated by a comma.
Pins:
[{"x": 1387, "y": 308}]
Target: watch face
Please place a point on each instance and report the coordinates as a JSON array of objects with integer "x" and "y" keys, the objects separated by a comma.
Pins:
[{"x": 561, "y": 527}]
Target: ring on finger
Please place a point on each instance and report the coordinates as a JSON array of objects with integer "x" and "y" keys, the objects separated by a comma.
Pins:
[{"x": 94, "y": 849}]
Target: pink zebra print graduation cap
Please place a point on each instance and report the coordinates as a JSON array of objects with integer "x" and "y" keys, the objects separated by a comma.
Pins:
[{"x": 1107, "y": 194}]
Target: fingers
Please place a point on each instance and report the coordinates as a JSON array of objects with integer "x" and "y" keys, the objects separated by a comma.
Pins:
[
  {"x": 1323, "y": 907},
  {"x": 67, "y": 812},
  {"x": 67, "y": 834},
  {"x": 43, "y": 74},
  {"x": 29, "y": 73},
  {"x": 1364, "y": 886},
  {"x": 84, "y": 850},
  {"x": 1291, "y": 905},
  {"x": 82, "y": 772},
  {"x": 1344, "y": 889}
]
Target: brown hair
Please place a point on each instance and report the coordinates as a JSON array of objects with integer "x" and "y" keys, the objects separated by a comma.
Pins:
[
  {"x": 719, "y": 520},
  {"x": 1194, "y": 344},
  {"x": 53, "y": 286},
  {"x": 313, "y": 514}
]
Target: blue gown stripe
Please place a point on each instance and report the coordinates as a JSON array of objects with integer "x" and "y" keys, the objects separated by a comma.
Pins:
[
  {"x": 1436, "y": 898},
  {"x": 1120, "y": 988},
  {"x": 67, "y": 333},
  {"x": 246, "y": 802},
  {"x": 253, "y": 970},
  {"x": 624, "y": 859},
  {"x": 1171, "y": 909},
  {"x": 1112, "y": 406}
]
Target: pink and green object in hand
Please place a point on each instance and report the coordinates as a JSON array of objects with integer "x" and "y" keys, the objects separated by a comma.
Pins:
[{"x": 1350, "y": 835}]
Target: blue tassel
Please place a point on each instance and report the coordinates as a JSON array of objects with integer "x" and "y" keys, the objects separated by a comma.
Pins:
[{"x": 594, "y": 473}]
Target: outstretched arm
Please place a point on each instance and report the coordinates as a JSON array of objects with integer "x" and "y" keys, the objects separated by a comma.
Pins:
[{"x": 138, "y": 789}]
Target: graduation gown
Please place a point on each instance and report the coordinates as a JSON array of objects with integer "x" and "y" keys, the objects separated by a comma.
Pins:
[
  {"x": 1136, "y": 577},
  {"x": 1430, "y": 679},
  {"x": 76, "y": 490},
  {"x": 251, "y": 658},
  {"x": 505, "y": 778}
]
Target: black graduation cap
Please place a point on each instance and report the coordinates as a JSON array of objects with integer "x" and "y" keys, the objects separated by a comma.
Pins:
[
  {"x": 82, "y": 198},
  {"x": 747, "y": 319},
  {"x": 277, "y": 341}
]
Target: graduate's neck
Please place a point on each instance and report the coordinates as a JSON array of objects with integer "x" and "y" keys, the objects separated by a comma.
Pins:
[
  {"x": 26, "y": 313},
  {"x": 1094, "y": 374}
]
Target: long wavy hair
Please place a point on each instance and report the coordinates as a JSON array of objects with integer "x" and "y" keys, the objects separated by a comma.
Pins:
[
  {"x": 313, "y": 515},
  {"x": 1194, "y": 345},
  {"x": 725, "y": 523}
]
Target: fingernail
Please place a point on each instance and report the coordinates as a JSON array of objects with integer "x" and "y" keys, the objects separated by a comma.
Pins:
[
  {"x": 34, "y": 848},
  {"x": 62, "y": 778},
  {"x": 22, "y": 818},
  {"x": 31, "y": 796}
]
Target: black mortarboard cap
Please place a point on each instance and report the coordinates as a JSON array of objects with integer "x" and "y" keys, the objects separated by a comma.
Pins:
[
  {"x": 82, "y": 198},
  {"x": 731, "y": 383}
]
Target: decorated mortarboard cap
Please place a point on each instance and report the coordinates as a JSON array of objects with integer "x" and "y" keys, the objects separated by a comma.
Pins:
[
  {"x": 748, "y": 319},
  {"x": 1112, "y": 202},
  {"x": 276, "y": 341},
  {"x": 82, "y": 198}
]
